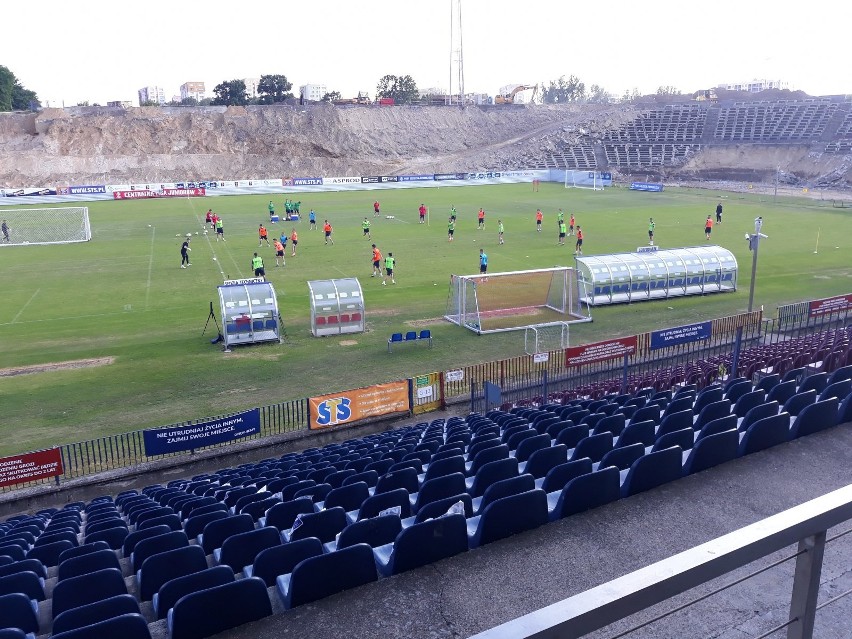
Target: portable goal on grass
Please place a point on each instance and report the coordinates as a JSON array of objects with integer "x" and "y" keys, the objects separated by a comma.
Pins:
[
  {"x": 45, "y": 226},
  {"x": 514, "y": 300},
  {"x": 544, "y": 338},
  {"x": 584, "y": 180}
]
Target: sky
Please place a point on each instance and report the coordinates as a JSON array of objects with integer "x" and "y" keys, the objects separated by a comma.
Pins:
[{"x": 98, "y": 51}]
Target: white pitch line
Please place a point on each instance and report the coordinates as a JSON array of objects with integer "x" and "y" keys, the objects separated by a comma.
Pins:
[
  {"x": 150, "y": 267},
  {"x": 63, "y": 319},
  {"x": 15, "y": 319}
]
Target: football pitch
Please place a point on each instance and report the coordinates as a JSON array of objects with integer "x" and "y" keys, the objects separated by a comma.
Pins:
[{"x": 123, "y": 301}]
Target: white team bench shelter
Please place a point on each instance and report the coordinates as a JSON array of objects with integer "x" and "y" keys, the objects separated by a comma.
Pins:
[
  {"x": 249, "y": 312},
  {"x": 337, "y": 307}
]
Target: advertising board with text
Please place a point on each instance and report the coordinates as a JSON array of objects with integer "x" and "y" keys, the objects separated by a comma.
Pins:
[
  {"x": 839, "y": 304},
  {"x": 600, "y": 351},
  {"x": 680, "y": 335},
  {"x": 161, "y": 441},
  {"x": 40, "y": 464},
  {"x": 354, "y": 405}
]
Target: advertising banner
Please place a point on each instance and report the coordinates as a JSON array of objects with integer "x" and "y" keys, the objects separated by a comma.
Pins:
[
  {"x": 680, "y": 335},
  {"x": 416, "y": 178},
  {"x": 600, "y": 351},
  {"x": 646, "y": 186},
  {"x": 307, "y": 181},
  {"x": 351, "y": 406},
  {"x": 27, "y": 192},
  {"x": 146, "y": 193},
  {"x": 388, "y": 178},
  {"x": 369, "y": 179},
  {"x": 346, "y": 180},
  {"x": 79, "y": 190},
  {"x": 187, "y": 192},
  {"x": 839, "y": 304},
  {"x": 30, "y": 466},
  {"x": 451, "y": 176},
  {"x": 132, "y": 195},
  {"x": 161, "y": 441}
]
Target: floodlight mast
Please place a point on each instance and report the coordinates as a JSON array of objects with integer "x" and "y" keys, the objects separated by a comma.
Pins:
[{"x": 754, "y": 244}]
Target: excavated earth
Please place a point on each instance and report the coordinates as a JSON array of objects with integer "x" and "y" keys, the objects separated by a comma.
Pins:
[{"x": 99, "y": 145}]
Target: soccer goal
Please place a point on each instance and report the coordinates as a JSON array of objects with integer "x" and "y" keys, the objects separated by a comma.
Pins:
[
  {"x": 45, "y": 226},
  {"x": 544, "y": 338},
  {"x": 584, "y": 180},
  {"x": 514, "y": 300}
]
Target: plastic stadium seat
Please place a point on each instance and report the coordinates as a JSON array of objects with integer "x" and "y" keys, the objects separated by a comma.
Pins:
[
  {"x": 95, "y": 613},
  {"x": 219, "y": 530},
  {"x": 324, "y": 525},
  {"x": 129, "y": 626},
  {"x": 163, "y": 567},
  {"x": 585, "y": 492},
  {"x": 817, "y": 382},
  {"x": 422, "y": 544},
  {"x": 541, "y": 461},
  {"x": 86, "y": 589},
  {"x": 594, "y": 447},
  {"x": 158, "y": 544},
  {"x": 281, "y": 559},
  {"x": 814, "y": 418},
  {"x": 439, "y": 488},
  {"x": 135, "y": 537},
  {"x": 838, "y": 390},
  {"x": 652, "y": 470},
  {"x": 707, "y": 396},
  {"x": 711, "y": 451},
  {"x": 782, "y": 392},
  {"x": 48, "y": 554},
  {"x": 747, "y": 401},
  {"x": 171, "y": 591},
  {"x": 765, "y": 433},
  {"x": 489, "y": 473},
  {"x": 684, "y": 438},
  {"x": 799, "y": 401},
  {"x": 18, "y": 611},
  {"x": 90, "y": 562},
  {"x": 623, "y": 457},
  {"x": 768, "y": 382},
  {"x": 194, "y": 526},
  {"x": 240, "y": 550},
  {"x": 24, "y": 565},
  {"x": 712, "y": 411},
  {"x": 325, "y": 575},
  {"x": 214, "y": 610},
  {"x": 26, "y": 582},
  {"x": 485, "y": 456},
  {"x": 612, "y": 423},
  {"x": 643, "y": 432},
  {"x": 717, "y": 426},
  {"x": 372, "y": 506},
  {"x": 376, "y": 531}
]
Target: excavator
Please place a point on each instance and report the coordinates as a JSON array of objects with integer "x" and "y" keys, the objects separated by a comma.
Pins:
[{"x": 509, "y": 98}]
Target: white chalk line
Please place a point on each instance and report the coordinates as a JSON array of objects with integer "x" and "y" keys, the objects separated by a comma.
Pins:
[
  {"x": 24, "y": 307},
  {"x": 150, "y": 267}
]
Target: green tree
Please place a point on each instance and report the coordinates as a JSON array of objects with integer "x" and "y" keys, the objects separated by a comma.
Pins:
[
  {"x": 230, "y": 93},
  {"x": 331, "y": 96},
  {"x": 13, "y": 96},
  {"x": 273, "y": 89},
  {"x": 148, "y": 103},
  {"x": 599, "y": 95},
  {"x": 403, "y": 89},
  {"x": 561, "y": 90}
]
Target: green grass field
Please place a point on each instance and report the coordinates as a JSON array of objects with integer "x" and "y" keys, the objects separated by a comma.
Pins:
[{"x": 123, "y": 295}]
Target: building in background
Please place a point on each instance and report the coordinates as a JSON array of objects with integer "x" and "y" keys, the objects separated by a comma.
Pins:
[
  {"x": 313, "y": 92},
  {"x": 756, "y": 86},
  {"x": 192, "y": 90},
  {"x": 124, "y": 104},
  {"x": 251, "y": 86},
  {"x": 152, "y": 94}
]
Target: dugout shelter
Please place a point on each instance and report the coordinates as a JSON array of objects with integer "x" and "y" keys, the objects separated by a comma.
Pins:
[
  {"x": 337, "y": 307},
  {"x": 634, "y": 277},
  {"x": 249, "y": 312}
]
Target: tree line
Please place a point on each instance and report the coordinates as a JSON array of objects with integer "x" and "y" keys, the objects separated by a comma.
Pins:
[{"x": 13, "y": 96}]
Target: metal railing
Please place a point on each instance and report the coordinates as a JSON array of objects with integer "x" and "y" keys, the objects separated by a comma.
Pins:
[{"x": 805, "y": 525}]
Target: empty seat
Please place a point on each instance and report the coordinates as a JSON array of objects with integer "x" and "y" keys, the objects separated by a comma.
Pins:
[
  {"x": 324, "y": 575},
  {"x": 127, "y": 626},
  {"x": 711, "y": 411},
  {"x": 767, "y": 409},
  {"x": 84, "y": 549},
  {"x": 782, "y": 392},
  {"x": 490, "y": 473},
  {"x": 747, "y": 401},
  {"x": 194, "y": 526},
  {"x": 171, "y": 591},
  {"x": 374, "y": 505},
  {"x": 816, "y": 382},
  {"x": 24, "y": 565},
  {"x": 86, "y": 589},
  {"x": 48, "y": 554},
  {"x": 717, "y": 426},
  {"x": 376, "y": 531},
  {"x": 612, "y": 423},
  {"x": 814, "y": 418},
  {"x": 623, "y": 457},
  {"x": 324, "y": 525},
  {"x": 838, "y": 390},
  {"x": 683, "y": 438},
  {"x": 26, "y": 582},
  {"x": 572, "y": 435},
  {"x": 585, "y": 492},
  {"x": 711, "y": 451},
  {"x": 560, "y": 475},
  {"x": 165, "y": 566},
  {"x": 500, "y": 489},
  {"x": 799, "y": 401},
  {"x": 508, "y": 516},
  {"x": 281, "y": 559},
  {"x": 240, "y": 550},
  {"x": 422, "y": 544},
  {"x": 643, "y": 432},
  {"x": 135, "y": 537},
  {"x": 214, "y": 610},
  {"x": 541, "y": 461},
  {"x": 652, "y": 470},
  {"x": 765, "y": 433},
  {"x": 594, "y": 447},
  {"x": 18, "y": 611},
  {"x": 158, "y": 544},
  {"x": 95, "y": 613},
  {"x": 219, "y": 530},
  {"x": 439, "y": 488},
  {"x": 87, "y": 563}
]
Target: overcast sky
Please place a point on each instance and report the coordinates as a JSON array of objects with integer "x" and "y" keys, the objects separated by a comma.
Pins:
[{"x": 74, "y": 50}]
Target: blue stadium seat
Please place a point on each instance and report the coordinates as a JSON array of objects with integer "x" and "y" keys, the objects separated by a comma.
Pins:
[
  {"x": 163, "y": 567},
  {"x": 316, "y": 493},
  {"x": 611, "y": 423},
  {"x": 422, "y": 544},
  {"x": 83, "y": 549},
  {"x": 105, "y": 524},
  {"x": 816, "y": 382},
  {"x": 707, "y": 396},
  {"x": 128, "y": 626},
  {"x": 489, "y": 473},
  {"x": 325, "y": 575},
  {"x": 219, "y": 530},
  {"x": 768, "y": 382},
  {"x": 585, "y": 492},
  {"x": 24, "y": 565},
  {"x": 376, "y": 531},
  {"x": 814, "y": 418},
  {"x": 17, "y": 610},
  {"x": 258, "y": 509},
  {"x": 48, "y": 554},
  {"x": 799, "y": 401},
  {"x": 765, "y": 433},
  {"x": 208, "y": 612},
  {"x": 717, "y": 426},
  {"x": 86, "y": 589},
  {"x": 485, "y": 456},
  {"x": 711, "y": 451},
  {"x": 87, "y": 563},
  {"x": 172, "y": 521},
  {"x": 281, "y": 559},
  {"x": 782, "y": 392},
  {"x": 643, "y": 432},
  {"x": 502, "y": 488},
  {"x": 174, "y": 589},
  {"x": 379, "y": 502},
  {"x": 541, "y": 461},
  {"x": 733, "y": 391},
  {"x": 508, "y": 516},
  {"x": 623, "y": 457},
  {"x": 153, "y": 545},
  {"x": 531, "y": 445},
  {"x": 650, "y": 412},
  {"x": 711, "y": 411},
  {"x": 324, "y": 525},
  {"x": 95, "y": 613},
  {"x": 438, "y": 488},
  {"x": 559, "y": 476},
  {"x": 26, "y": 582},
  {"x": 194, "y": 526},
  {"x": 131, "y": 540},
  {"x": 395, "y": 338},
  {"x": 747, "y": 401},
  {"x": 684, "y": 438},
  {"x": 240, "y": 550},
  {"x": 652, "y": 470},
  {"x": 594, "y": 447},
  {"x": 844, "y": 372},
  {"x": 571, "y": 436},
  {"x": 844, "y": 411},
  {"x": 838, "y": 390}
]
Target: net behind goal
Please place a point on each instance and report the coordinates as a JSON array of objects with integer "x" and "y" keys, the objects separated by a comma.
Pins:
[
  {"x": 45, "y": 226},
  {"x": 514, "y": 300},
  {"x": 584, "y": 180}
]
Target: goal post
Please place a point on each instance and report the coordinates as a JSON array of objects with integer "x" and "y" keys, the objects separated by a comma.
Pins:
[
  {"x": 61, "y": 225},
  {"x": 584, "y": 180},
  {"x": 514, "y": 300},
  {"x": 545, "y": 338}
]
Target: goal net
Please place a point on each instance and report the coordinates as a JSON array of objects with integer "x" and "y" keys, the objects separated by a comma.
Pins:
[
  {"x": 45, "y": 226},
  {"x": 514, "y": 300},
  {"x": 544, "y": 338},
  {"x": 584, "y": 180}
]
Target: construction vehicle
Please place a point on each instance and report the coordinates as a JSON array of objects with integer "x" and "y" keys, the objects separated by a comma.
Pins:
[
  {"x": 363, "y": 98},
  {"x": 509, "y": 98}
]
